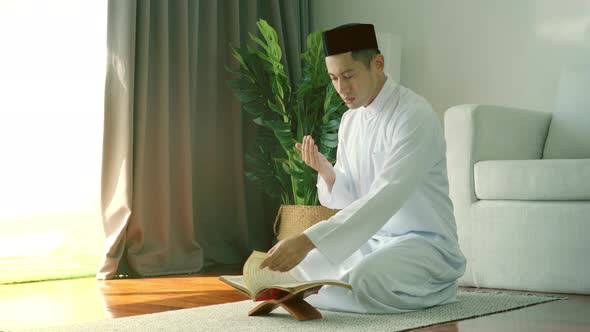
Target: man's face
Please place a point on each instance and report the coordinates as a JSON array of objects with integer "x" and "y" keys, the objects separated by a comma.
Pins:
[{"x": 354, "y": 82}]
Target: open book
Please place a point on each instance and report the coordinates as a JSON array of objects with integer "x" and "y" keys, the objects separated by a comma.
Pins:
[{"x": 255, "y": 281}]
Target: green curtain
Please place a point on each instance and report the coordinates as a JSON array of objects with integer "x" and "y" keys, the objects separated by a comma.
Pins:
[{"x": 174, "y": 196}]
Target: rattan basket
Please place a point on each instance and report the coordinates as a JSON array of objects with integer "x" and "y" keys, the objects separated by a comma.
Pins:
[{"x": 294, "y": 219}]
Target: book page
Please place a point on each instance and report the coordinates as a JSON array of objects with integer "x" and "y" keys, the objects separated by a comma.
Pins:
[
  {"x": 257, "y": 279},
  {"x": 238, "y": 283}
]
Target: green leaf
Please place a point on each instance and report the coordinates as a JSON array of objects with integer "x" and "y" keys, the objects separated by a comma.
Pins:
[
  {"x": 248, "y": 98},
  {"x": 238, "y": 56},
  {"x": 240, "y": 84},
  {"x": 330, "y": 137},
  {"x": 333, "y": 109},
  {"x": 330, "y": 125},
  {"x": 269, "y": 34},
  {"x": 259, "y": 121},
  {"x": 277, "y": 88},
  {"x": 255, "y": 109},
  {"x": 231, "y": 69},
  {"x": 258, "y": 53},
  {"x": 330, "y": 140},
  {"x": 276, "y": 108},
  {"x": 259, "y": 42}
]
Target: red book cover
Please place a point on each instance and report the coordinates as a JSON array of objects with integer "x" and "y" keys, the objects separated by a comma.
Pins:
[{"x": 270, "y": 294}]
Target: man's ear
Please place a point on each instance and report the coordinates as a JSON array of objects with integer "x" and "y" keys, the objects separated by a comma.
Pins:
[{"x": 379, "y": 62}]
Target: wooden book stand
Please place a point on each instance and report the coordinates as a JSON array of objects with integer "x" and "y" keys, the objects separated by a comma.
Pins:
[{"x": 292, "y": 302}]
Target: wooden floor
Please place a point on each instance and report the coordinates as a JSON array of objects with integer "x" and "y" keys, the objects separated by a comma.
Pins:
[{"x": 84, "y": 300}]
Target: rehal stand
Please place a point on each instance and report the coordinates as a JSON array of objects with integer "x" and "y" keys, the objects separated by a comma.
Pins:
[{"x": 292, "y": 302}]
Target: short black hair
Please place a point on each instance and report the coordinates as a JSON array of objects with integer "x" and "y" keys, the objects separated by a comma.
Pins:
[{"x": 365, "y": 56}]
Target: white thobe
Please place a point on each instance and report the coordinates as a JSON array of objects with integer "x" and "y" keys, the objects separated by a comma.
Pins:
[{"x": 395, "y": 239}]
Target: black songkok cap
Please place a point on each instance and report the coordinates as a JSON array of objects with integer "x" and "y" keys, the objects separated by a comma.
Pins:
[{"x": 349, "y": 37}]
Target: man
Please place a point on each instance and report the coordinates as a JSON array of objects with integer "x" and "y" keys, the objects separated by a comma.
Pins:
[{"x": 395, "y": 239}]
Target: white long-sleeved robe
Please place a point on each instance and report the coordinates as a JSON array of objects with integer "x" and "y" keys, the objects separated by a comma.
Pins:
[{"x": 395, "y": 238}]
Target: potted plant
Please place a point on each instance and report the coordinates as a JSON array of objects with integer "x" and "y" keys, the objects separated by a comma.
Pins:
[{"x": 286, "y": 114}]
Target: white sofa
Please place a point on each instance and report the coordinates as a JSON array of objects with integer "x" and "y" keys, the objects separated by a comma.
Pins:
[{"x": 520, "y": 185}]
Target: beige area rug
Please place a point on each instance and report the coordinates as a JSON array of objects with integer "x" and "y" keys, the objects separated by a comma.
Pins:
[{"x": 233, "y": 317}]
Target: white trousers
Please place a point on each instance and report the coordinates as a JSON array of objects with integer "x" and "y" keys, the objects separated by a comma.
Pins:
[{"x": 387, "y": 275}]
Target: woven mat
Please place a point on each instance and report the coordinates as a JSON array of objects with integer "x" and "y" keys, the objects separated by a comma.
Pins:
[{"x": 233, "y": 317}]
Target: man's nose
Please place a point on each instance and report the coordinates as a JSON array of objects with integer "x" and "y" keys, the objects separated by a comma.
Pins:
[{"x": 343, "y": 87}]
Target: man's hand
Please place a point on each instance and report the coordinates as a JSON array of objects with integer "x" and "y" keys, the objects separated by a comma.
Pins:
[
  {"x": 314, "y": 159},
  {"x": 312, "y": 156},
  {"x": 289, "y": 252}
]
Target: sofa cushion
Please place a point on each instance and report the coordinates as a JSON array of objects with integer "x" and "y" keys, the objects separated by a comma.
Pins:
[
  {"x": 555, "y": 179},
  {"x": 569, "y": 131}
]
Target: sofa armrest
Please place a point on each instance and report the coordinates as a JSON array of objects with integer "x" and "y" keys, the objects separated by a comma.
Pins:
[{"x": 487, "y": 132}]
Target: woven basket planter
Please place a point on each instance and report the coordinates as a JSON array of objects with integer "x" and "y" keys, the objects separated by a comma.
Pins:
[{"x": 294, "y": 219}]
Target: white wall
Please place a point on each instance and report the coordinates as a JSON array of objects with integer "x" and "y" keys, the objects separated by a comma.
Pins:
[{"x": 454, "y": 52}]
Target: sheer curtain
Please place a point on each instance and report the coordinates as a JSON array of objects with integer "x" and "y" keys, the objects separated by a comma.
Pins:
[{"x": 174, "y": 197}]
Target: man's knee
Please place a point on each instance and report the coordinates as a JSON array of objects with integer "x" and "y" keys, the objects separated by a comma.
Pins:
[
  {"x": 373, "y": 289},
  {"x": 376, "y": 283}
]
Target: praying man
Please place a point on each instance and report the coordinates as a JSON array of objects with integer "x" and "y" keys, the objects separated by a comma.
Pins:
[{"x": 395, "y": 238}]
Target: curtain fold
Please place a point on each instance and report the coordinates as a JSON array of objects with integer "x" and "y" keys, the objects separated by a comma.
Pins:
[{"x": 174, "y": 197}]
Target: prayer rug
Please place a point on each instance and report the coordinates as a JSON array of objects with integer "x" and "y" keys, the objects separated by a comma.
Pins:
[{"x": 233, "y": 317}]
